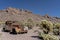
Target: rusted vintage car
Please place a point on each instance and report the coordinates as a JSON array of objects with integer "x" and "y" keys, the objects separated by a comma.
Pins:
[{"x": 14, "y": 27}]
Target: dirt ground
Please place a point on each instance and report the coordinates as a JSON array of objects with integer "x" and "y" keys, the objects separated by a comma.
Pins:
[{"x": 31, "y": 35}]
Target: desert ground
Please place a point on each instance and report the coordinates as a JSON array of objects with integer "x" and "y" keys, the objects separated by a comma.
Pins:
[{"x": 31, "y": 35}]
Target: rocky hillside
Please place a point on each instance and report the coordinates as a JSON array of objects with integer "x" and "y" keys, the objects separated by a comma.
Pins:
[{"x": 22, "y": 15}]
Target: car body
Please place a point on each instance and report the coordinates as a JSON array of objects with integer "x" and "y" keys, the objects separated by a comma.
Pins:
[{"x": 14, "y": 27}]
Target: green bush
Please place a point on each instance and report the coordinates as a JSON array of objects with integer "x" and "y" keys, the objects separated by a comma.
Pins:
[
  {"x": 29, "y": 23},
  {"x": 56, "y": 28},
  {"x": 47, "y": 26},
  {"x": 48, "y": 36}
]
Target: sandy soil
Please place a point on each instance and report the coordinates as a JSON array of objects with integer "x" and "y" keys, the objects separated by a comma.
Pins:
[{"x": 31, "y": 35}]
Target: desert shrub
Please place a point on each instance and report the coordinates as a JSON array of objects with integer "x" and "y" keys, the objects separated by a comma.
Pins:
[
  {"x": 29, "y": 23},
  {"x": 47, "y": 26},
  {"x": 37, "y": 24},
  {"x": 48, "y": 36},
  {"x": 21, "y": 23},
  {"x": 56, "y": 28},
  {"x": 29, "y": 20}
]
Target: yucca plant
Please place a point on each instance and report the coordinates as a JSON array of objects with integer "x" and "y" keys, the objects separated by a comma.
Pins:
[{"x": 47, "y": 26}]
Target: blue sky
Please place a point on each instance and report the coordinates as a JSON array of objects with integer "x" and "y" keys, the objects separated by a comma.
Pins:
[{"x": 42, "y": 7}]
